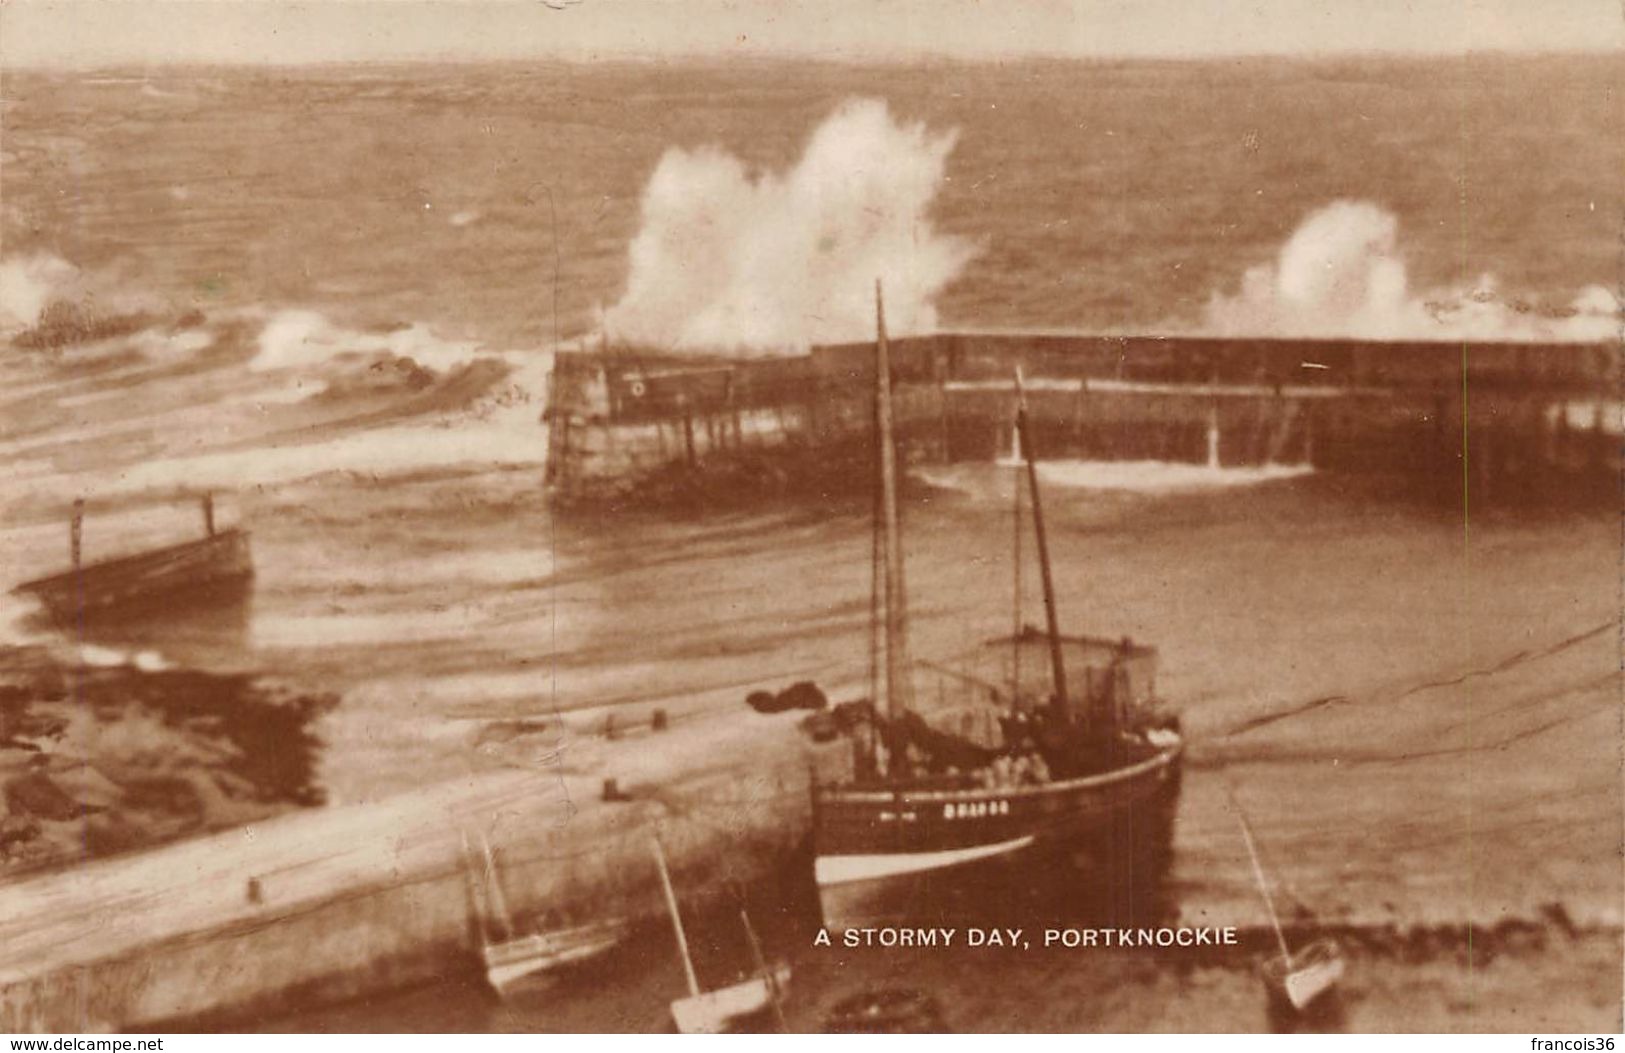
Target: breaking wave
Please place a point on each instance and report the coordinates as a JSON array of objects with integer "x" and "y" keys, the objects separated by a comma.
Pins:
[
  {"x": 726, "y": 261},
  {"x": 1342, "y": 274}
]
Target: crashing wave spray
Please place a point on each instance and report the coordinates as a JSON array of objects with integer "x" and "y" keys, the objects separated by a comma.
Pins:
[
  {"x": 45, "y": 290},
  {"x": 727, "y": 262},
  {"x": 1341, "y": 274},
  {"x": 30, "y": 284}
]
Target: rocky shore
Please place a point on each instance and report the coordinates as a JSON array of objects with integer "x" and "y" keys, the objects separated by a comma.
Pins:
[{"x": 103, "y": 752}]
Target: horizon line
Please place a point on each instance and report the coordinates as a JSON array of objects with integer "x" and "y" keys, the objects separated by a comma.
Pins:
[{"x": 917, "y": 58}]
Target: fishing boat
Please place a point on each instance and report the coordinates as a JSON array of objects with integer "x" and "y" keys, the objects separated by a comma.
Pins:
[
  {"x": 214, "y": 569},
  {"x": 714, "y": 1012},
  {"x": 1077, "y": 753},
  {"x": 511, "y": 958},
  {"x": 1298, "y": 979}
]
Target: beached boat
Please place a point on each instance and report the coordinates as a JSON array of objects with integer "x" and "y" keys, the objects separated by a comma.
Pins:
[
  {"x": 713, "y": 1012},
  {"x": 1306, "y": 975},
  {"x": 1295, "y": 978},
  {"x": 214, "y": 569},
  {"x": 716, "y": 1011},
  {"x": 512, "y": 958},
  {"x": 1082, "y": 759}
]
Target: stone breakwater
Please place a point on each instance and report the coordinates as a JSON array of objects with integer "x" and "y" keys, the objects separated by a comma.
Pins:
[
  {"x": 661, "y": 428},
  {"x": 331, "y": 904}
]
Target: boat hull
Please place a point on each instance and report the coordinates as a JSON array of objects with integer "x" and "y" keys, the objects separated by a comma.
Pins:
[
  {"x": 711, "y": 1012},
  {"x": 1307, "y": 977},
  {"x": 510, "y": 964},
  {"x": 214, "y": 570},
  {"x": 885, "y": 856}
]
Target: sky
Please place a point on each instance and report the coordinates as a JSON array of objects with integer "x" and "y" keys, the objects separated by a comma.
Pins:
[{"x": 90, "y": 33}]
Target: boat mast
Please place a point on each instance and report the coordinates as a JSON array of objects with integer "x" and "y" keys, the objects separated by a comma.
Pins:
[
  {"x": 476, "y": 892},
  {"x": 493, "y": 887},
  {"x": 899, "y": 683},
  {"x": 676, "y": 921},
  {"x": 1057, "y": 663},
  {"x": 1258, "y": 875}
]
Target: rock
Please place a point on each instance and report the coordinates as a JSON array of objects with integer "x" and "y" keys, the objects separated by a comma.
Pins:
[
  {"x": 802, "y": 695},
  {"x": 15, "y": 829},
  {"x": 37, "y": 795}
]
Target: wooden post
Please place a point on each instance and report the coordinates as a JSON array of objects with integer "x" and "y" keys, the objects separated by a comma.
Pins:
[
  {"x": 76, "y": 530},
  {"x": 208, "y": 514}
]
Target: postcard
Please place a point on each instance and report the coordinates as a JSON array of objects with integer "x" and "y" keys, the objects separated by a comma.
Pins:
[{"x": 622, "y": 516}]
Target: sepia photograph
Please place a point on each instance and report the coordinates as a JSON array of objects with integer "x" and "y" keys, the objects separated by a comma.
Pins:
[{"x": 903, "y": 516}]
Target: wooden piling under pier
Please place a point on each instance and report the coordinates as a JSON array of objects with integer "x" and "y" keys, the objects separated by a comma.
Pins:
[{"x": 327, "y": 905}]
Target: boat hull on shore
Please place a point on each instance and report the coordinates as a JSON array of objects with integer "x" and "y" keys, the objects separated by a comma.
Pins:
[
  {"x": 214, "y": 570},
  {"x": 885, "y": 854},
  {"x": 715, "y": 1012},
  {"x": 516, "y": 963}
]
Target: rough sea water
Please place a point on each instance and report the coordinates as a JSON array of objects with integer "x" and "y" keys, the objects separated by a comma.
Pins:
[{"x": 329, "y": 295}]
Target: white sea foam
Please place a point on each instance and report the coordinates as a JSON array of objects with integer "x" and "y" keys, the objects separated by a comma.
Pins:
[
  {"x": 727, "y": 260},
  {"x": 1143, "y": 477},
  {"x": 1342, "y": 274},
  {"x": 29, "y": 284},
  {"x": 301, "y": 340}
]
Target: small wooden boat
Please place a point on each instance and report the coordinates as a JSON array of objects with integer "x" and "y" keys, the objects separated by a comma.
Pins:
[
  {"x": 510, "y": 957},
  {"x": 215, "y": 568},
  {"x": 1302, "y": 977},
  {"x": 1298, "y": 979},
  {"x": 713, "y": 1012}
]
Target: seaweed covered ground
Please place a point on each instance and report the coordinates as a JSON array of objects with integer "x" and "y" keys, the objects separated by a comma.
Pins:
[{"x": 102, "y": 753}]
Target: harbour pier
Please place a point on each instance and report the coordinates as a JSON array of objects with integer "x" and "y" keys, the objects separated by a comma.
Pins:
[
  {"x": 1512, "y": 419},
  {"x": 321, "y": 906}
]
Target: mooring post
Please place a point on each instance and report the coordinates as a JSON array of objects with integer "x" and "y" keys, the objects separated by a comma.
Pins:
[
  {"x": 208, "y": 514},
  {"x": 76, "y": 530}
]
